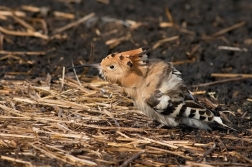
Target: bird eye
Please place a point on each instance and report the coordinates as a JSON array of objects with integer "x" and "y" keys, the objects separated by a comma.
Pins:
[{"x": 111, "y": 66}]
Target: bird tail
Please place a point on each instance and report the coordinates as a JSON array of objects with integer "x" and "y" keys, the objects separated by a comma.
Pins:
[
  {"x": 219, "y": 121},
  {"x": 194, "y": 123},
  {"x": 202, "y": 125}
]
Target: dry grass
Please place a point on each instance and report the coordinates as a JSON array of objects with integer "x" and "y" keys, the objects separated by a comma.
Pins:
[
  {"x": 96, "y": 125},
  {"x": 91, "y": 122}
]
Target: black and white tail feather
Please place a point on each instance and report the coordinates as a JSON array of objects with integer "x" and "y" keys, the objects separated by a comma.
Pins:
[{"x": 176, "y": 104}]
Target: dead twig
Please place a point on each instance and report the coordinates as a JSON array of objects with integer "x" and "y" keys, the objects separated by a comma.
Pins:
[
  {"x": 180, "y": 154},
  {"x": 103, "y": 1},
  {"x": 165, "y": 24},
  {"x": 10, "y": 13},
  {"x": 1, "y": 41},
  {"x": 190, "y": 163},
  {"x": 228, "y": 29},
  {"x": 183, "y": 62},
  {"x": 75, "y": 74},
  {"x": 56, "y": 13},
  {"x": 22, "y": 53},
  {"x": 15, "y": 160},
  {"x": 75, "y": 23},
  {"x": 158, "y": 43},
  {"x": 231, "y": 75},
  {"x": 218, "y": 82},
  {"x": 230, "y": 48},
  {"x": 23, "y": 23},
  {"x": 20, "y": 33},
  {"x": 168, "y": 14},
  {"x": 63, "y": 15},
  {"x": 199, "y": 92},
  {"x": 128, "y": 161},
  {"x": 228, "y": 164},
  {"x": 238, "y": 155},
  {"x": 116, "y": 41},
  {"x": 63, "y": 78},
  {"x": 208, "y": 152},
  {"x": 64, "y": 158},
  {"x": 43, "y": 24}
]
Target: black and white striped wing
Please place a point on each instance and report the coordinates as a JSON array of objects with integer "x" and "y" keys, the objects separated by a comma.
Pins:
[{"x": 173, "y": 99}]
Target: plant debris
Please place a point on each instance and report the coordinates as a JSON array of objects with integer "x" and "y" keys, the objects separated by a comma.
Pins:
[{"x": 52, "y": 117}]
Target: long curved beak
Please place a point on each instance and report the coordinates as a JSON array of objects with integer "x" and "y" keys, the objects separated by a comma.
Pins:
[{"x": 86, "y": 65}]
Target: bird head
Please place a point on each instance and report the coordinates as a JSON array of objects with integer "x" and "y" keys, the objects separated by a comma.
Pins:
[{"x": 123, "y": 68}]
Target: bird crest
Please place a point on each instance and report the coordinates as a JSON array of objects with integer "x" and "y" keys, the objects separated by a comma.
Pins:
[{"x": 128, "y": 59}]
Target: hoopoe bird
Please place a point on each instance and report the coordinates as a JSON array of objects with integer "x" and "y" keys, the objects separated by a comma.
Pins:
[{"x": 156, "y": 88}]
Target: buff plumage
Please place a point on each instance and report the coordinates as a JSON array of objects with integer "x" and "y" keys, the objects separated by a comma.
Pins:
[{"x": 156, "y": 88}]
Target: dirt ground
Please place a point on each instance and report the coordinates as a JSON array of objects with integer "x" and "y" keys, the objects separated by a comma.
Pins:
[{"x": 202, "y": 38}]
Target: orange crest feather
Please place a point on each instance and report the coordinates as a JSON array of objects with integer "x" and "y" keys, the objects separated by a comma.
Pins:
[
  {"x": 137, "y": 56},
  {"x": 132, "y": 57}
]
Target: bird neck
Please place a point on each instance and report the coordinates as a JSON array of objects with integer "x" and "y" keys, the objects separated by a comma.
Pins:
[{"x": 134, "y": 78}]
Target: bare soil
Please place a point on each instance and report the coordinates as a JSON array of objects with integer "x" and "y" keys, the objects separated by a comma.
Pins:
[{"x": 202, "y": 38}]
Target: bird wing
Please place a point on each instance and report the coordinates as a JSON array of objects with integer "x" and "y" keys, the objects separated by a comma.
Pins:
[{"x": 171, "y": 98}]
